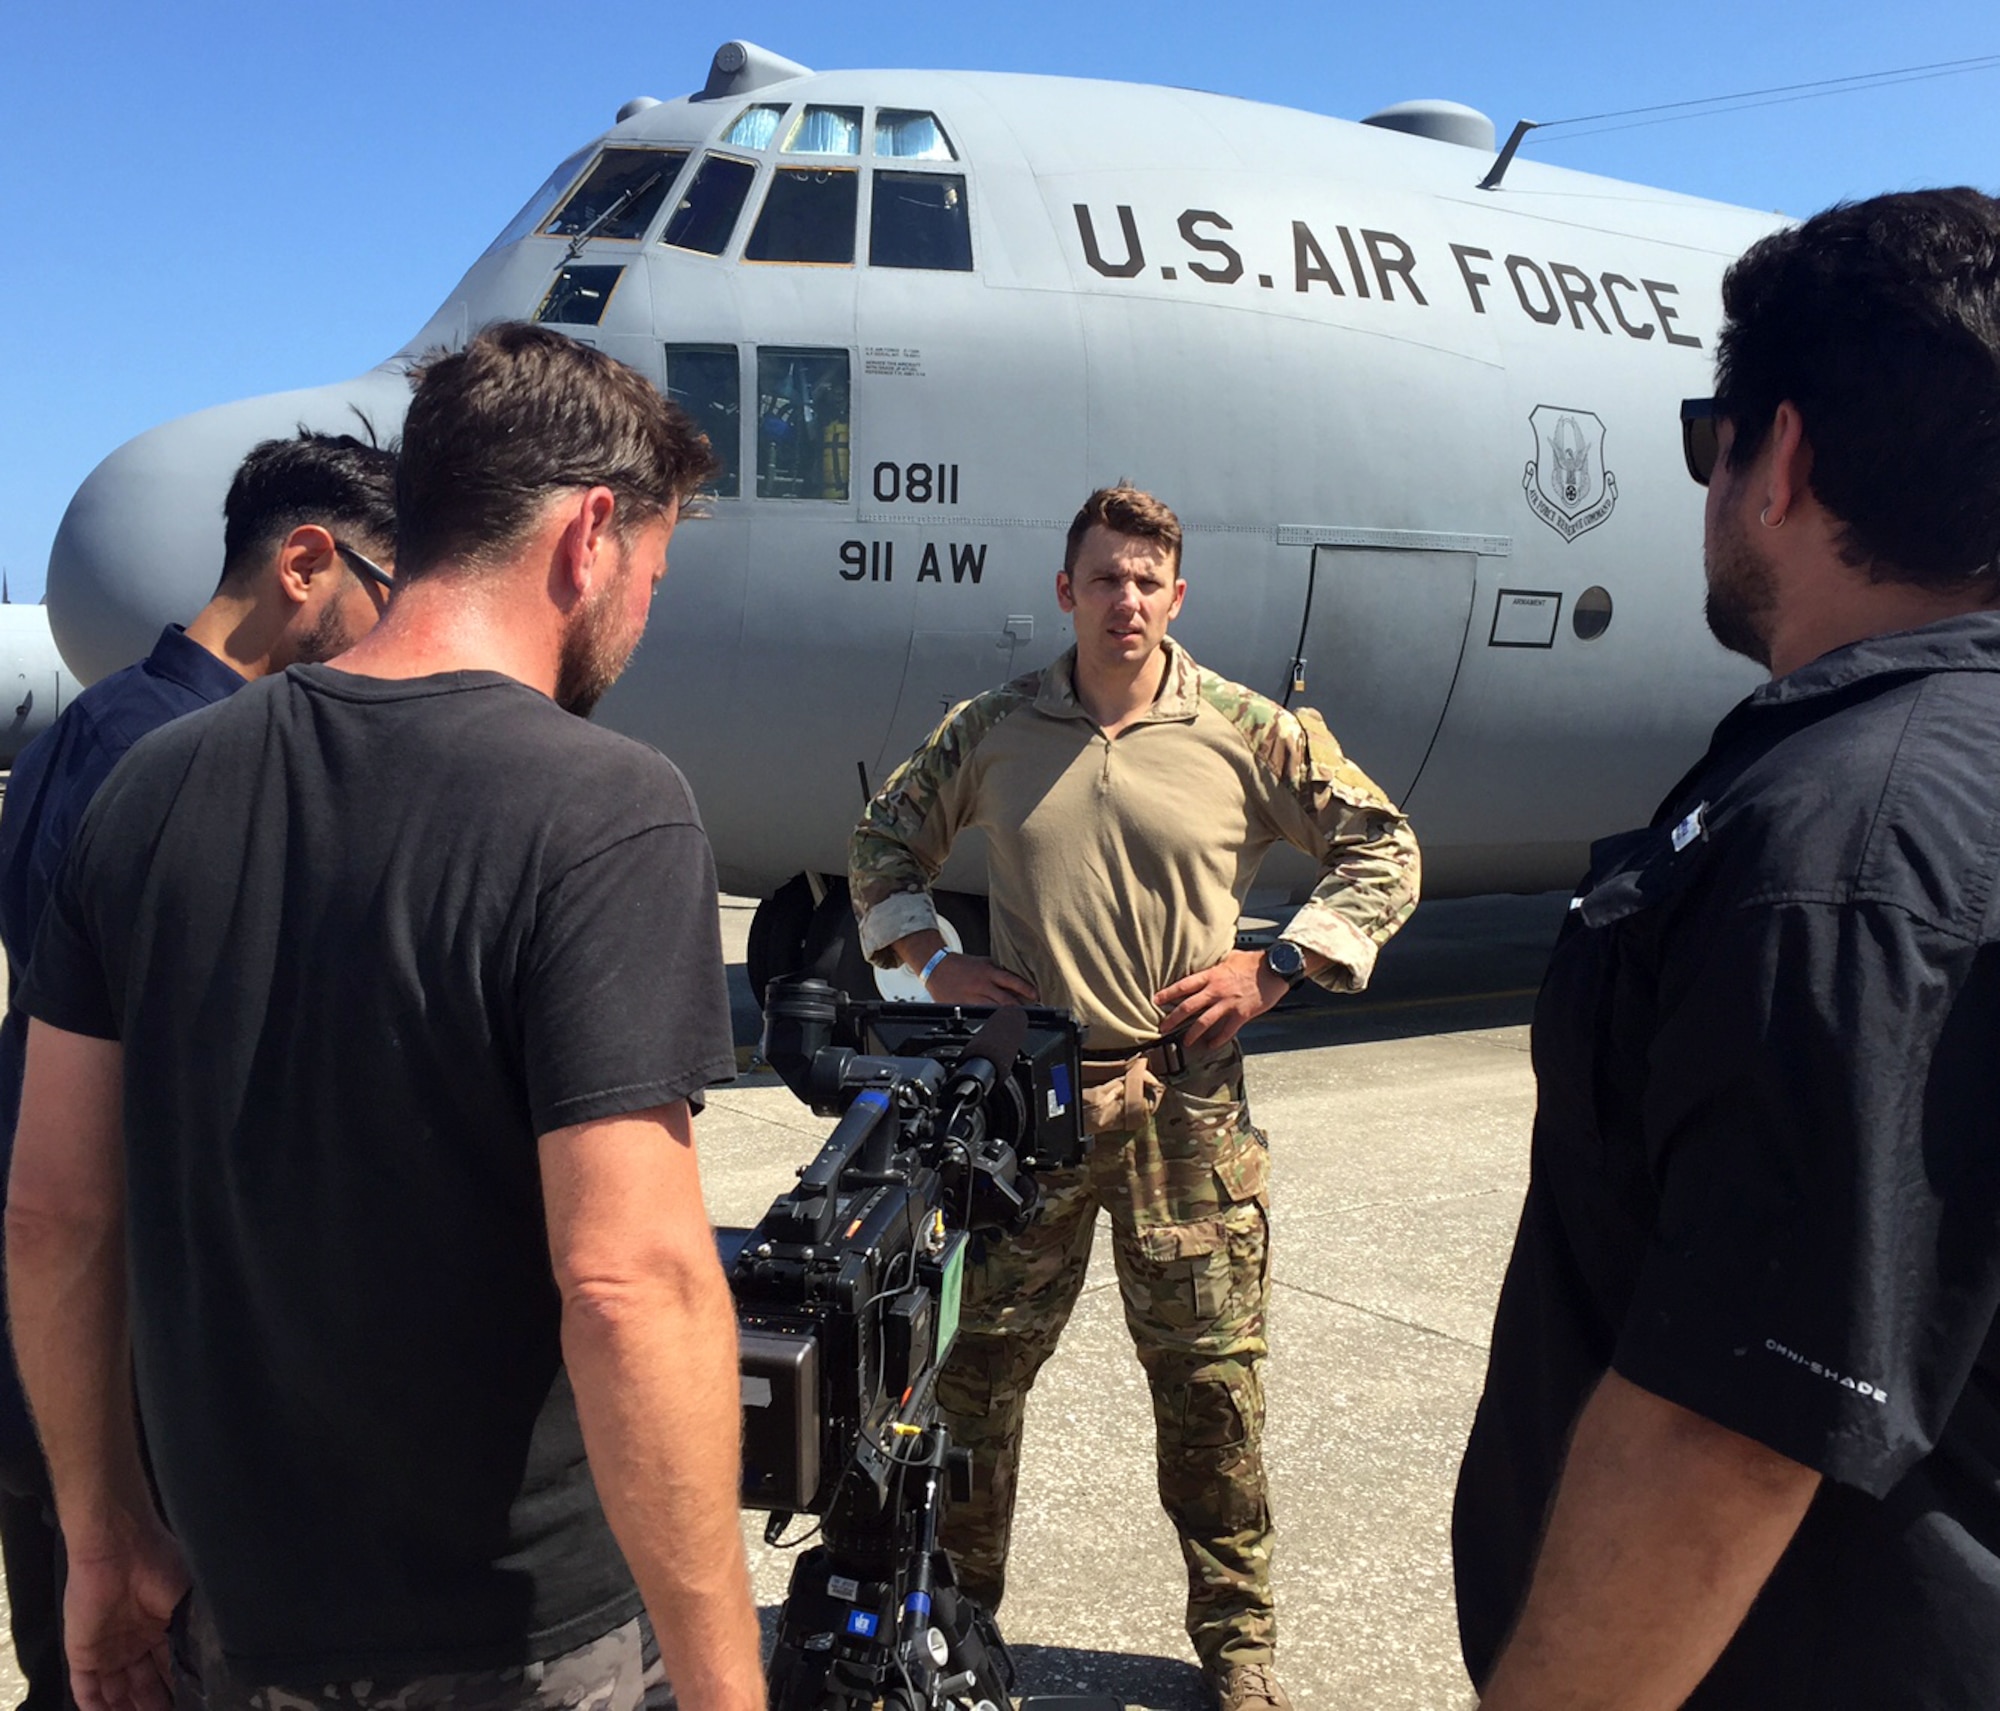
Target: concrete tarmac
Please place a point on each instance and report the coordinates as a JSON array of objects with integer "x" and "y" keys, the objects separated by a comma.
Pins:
[{"x": 1399, "y": 1128}]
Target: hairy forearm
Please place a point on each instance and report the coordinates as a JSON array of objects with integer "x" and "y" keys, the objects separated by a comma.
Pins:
[
  {"x": 652, "y": 1359},
  {"x": 1665, "y": 1527},
  {"x": 72, "y": 1341}
]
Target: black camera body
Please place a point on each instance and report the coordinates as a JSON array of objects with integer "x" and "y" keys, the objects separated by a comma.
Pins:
[
  {"x": 847, "y": 1297},
  {"x": 847, "y": 1290}
]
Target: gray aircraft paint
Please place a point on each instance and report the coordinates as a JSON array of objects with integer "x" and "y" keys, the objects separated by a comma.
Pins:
[
  {"x": 1430, "y": 416},
  {"x": 35, "y": 685}
]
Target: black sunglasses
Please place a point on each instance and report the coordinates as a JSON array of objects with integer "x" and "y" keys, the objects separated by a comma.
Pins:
[
  {"x": 1701, "y": 439},
  {"x": 365, "y": 567}
]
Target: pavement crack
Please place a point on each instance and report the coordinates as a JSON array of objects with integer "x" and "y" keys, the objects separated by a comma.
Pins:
[
  {"x": 746, "y": 1114},
  {"x": 1414, "y": 1200},
  {"x": 1377, "y": 1313}
]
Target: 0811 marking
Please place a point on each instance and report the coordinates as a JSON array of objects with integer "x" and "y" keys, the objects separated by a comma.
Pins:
[{"x": 916, "y": 483}]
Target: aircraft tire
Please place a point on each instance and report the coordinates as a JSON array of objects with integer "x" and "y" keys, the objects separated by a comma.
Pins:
[
  {"x": 832, "y": 947},
  {"x": 777, "y": 944}
]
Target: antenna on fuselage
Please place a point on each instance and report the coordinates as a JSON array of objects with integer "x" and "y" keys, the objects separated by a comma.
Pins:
[
  {"x": 1498, "y": 170},
  {"x": 1711, "y": 106}
]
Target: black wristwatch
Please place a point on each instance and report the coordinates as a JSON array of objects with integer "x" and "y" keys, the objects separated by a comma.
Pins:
[{"x": 1286, "y": 961}]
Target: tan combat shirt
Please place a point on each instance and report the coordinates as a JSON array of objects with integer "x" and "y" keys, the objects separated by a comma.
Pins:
[{"x": 1119, "y": 865}]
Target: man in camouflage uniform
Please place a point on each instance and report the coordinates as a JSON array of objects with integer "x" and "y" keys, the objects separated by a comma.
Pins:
[{"x": 1128, "y": 797}]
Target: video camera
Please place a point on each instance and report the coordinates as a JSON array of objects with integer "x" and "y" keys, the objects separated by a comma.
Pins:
[
  {"x": 847, "y": 1296},
  {"x": 847, "y": 1291}
]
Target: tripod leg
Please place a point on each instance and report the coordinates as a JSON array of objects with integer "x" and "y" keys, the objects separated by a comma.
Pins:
[{"x": 972, "y": 1641}]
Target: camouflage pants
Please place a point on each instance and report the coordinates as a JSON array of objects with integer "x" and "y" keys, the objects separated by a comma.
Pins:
[
  {"x": 1189, "y": 1231},
  {"x": 618, "y": 1671}
]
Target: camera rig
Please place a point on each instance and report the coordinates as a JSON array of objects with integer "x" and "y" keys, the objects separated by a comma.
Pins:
[{"x": 847, "y": 1298}]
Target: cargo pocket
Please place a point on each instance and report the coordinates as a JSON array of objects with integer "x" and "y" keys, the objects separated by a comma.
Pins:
[
  {"x": 1211, "y": 1416},
  {"x": 1184, "y": 1281},
  {"x": 1212, "y": 1472},
  {"x": 1243, "y": 1164}
]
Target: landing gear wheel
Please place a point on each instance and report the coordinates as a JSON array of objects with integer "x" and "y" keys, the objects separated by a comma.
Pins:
[{"x": 777, "y": 944}]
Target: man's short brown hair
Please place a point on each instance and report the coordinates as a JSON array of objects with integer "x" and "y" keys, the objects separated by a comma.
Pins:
[
  {"x": 1125, "y": 510},
  {"x": 518, "y": 416}
]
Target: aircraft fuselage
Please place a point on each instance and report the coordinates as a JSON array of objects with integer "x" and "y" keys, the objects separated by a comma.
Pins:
[{"x": 1423, "y": 439}]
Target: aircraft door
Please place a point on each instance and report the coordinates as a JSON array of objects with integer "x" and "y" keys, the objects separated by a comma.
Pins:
[
  {"x": 1379, "y": 651},
  {"x": 945, "y": 667}
]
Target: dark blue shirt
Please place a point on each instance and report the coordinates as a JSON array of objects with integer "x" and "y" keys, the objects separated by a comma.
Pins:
[{"x": 53, "y": 782}]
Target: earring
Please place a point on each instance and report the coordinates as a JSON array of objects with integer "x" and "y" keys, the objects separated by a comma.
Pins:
[{"x": 1764, "y": 517}]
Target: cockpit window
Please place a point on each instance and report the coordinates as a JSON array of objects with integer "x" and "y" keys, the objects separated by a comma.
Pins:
[
  {"x": 704, "y": 381},
  {"x": 707, "y": 211},
  {"x": 825, "y": 130},
  {"x": 808, "y": 216},
  {"x": 755, "y": 127},
  {"x": 904, "y": 135},
  {"x": 536, "y": 208},
  {"x": 620, "y": 196},
  {"x": 802, "y": 424},
  {"x": 920, "y": 220},
  {"x": 579, "y": 296}
]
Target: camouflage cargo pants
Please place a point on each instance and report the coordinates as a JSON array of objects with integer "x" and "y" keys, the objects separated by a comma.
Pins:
[
  {"x": 618, "y": 1671},
  {"x": 1189, "y": 1230}
]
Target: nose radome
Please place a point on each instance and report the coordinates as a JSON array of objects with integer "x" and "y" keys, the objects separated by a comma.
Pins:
[{"x": 140, "y": 546}]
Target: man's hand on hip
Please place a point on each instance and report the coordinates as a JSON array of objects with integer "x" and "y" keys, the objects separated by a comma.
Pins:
[
  {"x": 116, "y": 1607},
  {"x": 963, "y": 979},
  {"x": 959, "y": 978},
  {"x": 1214, "y": 1005}
]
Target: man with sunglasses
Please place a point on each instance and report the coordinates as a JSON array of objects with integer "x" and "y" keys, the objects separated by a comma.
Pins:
[
  {"x": 1739, "y": 1445},
  {"x": 304, "y": 524}
]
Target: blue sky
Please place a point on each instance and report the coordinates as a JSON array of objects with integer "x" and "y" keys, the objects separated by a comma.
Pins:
[{"x": 203, "y": 201}]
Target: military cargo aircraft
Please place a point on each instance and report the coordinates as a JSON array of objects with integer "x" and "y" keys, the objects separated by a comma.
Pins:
[
  {"x": 35, "y": 685},
  {"x": 1423, "y": 435}
]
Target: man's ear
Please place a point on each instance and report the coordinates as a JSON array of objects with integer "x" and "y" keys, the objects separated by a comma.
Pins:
[
  {"x": 1790, "y": 474},
  {"x": 587, "y": 560},
  {"x": 1180, "y": 598},
  {"x": 305, "y": 554},
  {"x": 1065, "y": 592}
]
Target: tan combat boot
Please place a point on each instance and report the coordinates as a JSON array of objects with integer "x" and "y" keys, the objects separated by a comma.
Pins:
[{"x": 1249, "y": 1687}]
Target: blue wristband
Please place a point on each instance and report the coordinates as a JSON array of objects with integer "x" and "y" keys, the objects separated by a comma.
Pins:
[{"x": 930, "y": 968}]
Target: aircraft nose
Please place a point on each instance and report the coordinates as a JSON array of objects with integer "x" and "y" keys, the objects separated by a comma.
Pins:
[{"x": 140, "y": 546}]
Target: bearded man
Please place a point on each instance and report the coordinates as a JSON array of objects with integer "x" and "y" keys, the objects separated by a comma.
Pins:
[
  {"x": 1740, "y": 1440},
  {"x": 368, "y": 1020}
]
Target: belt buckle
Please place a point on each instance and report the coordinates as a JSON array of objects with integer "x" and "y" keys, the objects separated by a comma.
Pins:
[{"x": 1173, "y": 1055}]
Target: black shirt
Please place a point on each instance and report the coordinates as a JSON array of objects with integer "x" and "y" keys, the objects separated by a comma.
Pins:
[
  {"x": 53, "y": 780},
  {"x": 1766, "y": 1172},
  {"x": 363, "y": 942}
]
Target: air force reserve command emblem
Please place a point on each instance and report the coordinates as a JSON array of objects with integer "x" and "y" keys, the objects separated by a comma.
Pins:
[{"x": 1567, "y": 485}]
